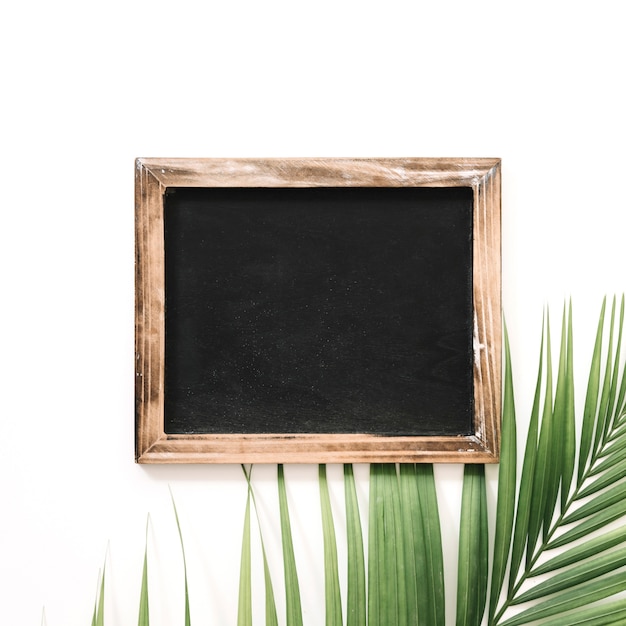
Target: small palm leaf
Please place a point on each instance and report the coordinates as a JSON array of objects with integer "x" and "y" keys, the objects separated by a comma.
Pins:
[
  {"x": 429, "y": 550},
  {"x": 473, "y": 549},
  {"x": 244, "y": 612},
  {"x": 413, "y": 542},
  {"x": 331, "y": 565},
  {"x": 144, "y": 610},
  {"x": 591, "y": 399},
  {"x": 545, "y": 480},
  {"x": 271, "y": 616},
  {"x": 292, "y": 586},
  {"x": 383, "y": 580},
  {"x": 98, "y": 609},
  {"x": 182, "y": 548},
  {"x": 356, "y": 600},
  {"x": 505, "y": 512},
  {"x": 524, "y": 500}
]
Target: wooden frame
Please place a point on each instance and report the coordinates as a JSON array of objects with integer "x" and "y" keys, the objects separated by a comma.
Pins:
[{"x": 155, "y": 176}]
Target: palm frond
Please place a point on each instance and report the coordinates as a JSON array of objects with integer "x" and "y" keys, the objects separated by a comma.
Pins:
[
  {"x": 405, "y": 558},
  {"x": 383, "y": 583},
  {"x": 271, "y": 615},
  {"x": 292, "y": 586},
  {"x": 591, "y": 567},
  {"x": 331, "y": 562},
  {"x": 505, "y": 512},
  {"x": 429, "y": 550},
  {"x": 473, "y": 549},
  {"x": 356, "y": 612}
]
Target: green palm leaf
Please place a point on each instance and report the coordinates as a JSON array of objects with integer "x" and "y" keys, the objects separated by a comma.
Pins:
[
  {"x": 431, "y": 602},
  {"x": 581, "y": 595},
  {"x": 607, "y": 498},
  {"x": 473, "y": 549},
  {"x": 564, "y": 410},
  {"x": 292, "y": 586},
  {"x": 547, "y": 479},
  {"x": 412, "y": 541},
  {"x": 591, "y": 524},
  {"x": 584, "y": 573},
  {"x": 609, "y": 614},
  {"x": 144, "y": 608},
  {"x": 524, "y": 501},
  {"x": 98, "y": 609},
  {"x": 244, "y": 612},
  {"x": 602, "y": 420},
  {"x": 182, "y": 548},
  {"x": 542, "y": 470},
  {"x": 591, "y": 399},
  {"x": 505, "y": 512},
  {"x": 383, "y": 551},
  {"x": 613, "y": 454},
  {"x": 405, "y": 552},
  {"x": 583, "y": 551},
  {"x": 356, "y": 601},
  {"x": 271, "y": 616},
  {"x": 331, "y": 564}
]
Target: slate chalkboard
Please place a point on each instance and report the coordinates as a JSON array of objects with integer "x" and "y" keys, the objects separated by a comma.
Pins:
[{"x": 317, "y": 310}]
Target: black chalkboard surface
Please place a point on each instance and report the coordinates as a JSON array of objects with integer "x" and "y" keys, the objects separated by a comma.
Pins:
[
  {"x": 326, "y": 310},
  {"x": 317, "y": 310}
]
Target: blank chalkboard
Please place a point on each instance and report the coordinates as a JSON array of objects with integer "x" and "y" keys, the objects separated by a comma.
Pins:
[{"x": 316, "y": 320}]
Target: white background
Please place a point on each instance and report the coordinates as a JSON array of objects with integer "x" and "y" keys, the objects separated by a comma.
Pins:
[{"x": 87, "y": 87}]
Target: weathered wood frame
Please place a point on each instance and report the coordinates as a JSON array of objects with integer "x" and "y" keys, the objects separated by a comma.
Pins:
[{"x": 154, "y": 176}]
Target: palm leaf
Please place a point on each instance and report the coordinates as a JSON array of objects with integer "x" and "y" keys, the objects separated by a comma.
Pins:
[
  {"x": 591, "y": 524},
  {"x": 581, "y": 595},
  {"x": 538, "y": 494},
  {"x": 98, "y": 609},
  {"x": 292, "y": 586},
  {"x": 472, "y": 562},
  {"x": 614, "y": 400},
  {"x": 412, "y": 541},
  {"x": 547, "y": 478},
  {"x": 271, "y": 616},
  {"x": 607, "y": 498},
  {"x": 591, "y": 399},
  {"x": 144, "y": 608},
  {"x": 356, "y": 611},
  {"x": 564, "y": 409},
  {"x": 431, "y": 602},
  {"x": 331, "y": 564},
  {"x": 601, "y": 425},
  {"x": 524, "y": 501},
  {"x": 505, "y": 512},
  {"x": 244, "y": 612},
  {"x": 405, "y": 551},
  {"x": 584, "y": 550},
  {"x": 584, "y": 573},
  {"x": 613, "y": 454},
  {"x": 182, "y": 548},
  {"x": 386, "y": 581},
  {"x": 608, "y": 614}
]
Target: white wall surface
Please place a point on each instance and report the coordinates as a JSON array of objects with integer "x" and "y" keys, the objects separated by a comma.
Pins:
[{"x": 87, "y": 87}]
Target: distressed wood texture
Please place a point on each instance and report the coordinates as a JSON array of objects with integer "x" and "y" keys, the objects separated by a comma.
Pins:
[{"x": 154, "y": 176}]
